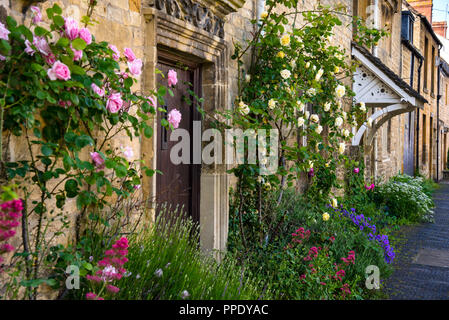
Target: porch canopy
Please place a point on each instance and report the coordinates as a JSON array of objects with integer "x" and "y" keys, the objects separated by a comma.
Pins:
[{"x": 379, "y": 87}]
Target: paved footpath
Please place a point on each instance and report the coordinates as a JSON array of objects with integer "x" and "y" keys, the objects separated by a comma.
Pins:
[{"x": 422, "y": 266}]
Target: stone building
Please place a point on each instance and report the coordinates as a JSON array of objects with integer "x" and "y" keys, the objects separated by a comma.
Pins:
[{"x": 397, "y": 79}]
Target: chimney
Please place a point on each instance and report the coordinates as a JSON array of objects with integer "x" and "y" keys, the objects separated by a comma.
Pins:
[
  {"x": 440, "y": 28},
  {"x": 423, "y": 6}
]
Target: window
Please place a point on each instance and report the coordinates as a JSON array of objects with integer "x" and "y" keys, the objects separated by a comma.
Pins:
[
  {"x": 432, "y": 73},
  {"x": 424, "y": 129},
  {"x": 426, "y": 61},
  {"x": 407, "y": 26}
]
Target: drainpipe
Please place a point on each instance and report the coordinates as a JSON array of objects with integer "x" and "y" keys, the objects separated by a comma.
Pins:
[
  {"x": 421, "y": 60},
  {"x": 376, "y": 22},
  {"x": 438, "y": 113}
]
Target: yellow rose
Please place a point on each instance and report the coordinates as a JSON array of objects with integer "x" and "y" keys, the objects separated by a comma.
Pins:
[
  {"x": 285, "y": 40},
  {"x": 264, "y": 15},
  {"x": 326, "y": 216},
  {"x": 334, "y": 203},
  {"x": 281, "y": 54}
]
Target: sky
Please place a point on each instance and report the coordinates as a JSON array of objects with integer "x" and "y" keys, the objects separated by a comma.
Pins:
[{"x": 439, "y": 10}]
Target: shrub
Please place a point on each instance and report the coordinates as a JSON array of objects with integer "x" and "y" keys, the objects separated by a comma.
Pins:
[
  {"x": 406, "y": 198},
  {"x": 165, "y": 262}
]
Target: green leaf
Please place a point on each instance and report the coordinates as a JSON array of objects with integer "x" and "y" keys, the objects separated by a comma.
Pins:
[
  {"x": 57, "y": 9},
  {"x": 79, "y": 44},
  {"x": 71, "y": 187},
  {"x": 63, "y": 42},
  {"x": 46, "y": 150},
  {"x": 121, "y": 171},
  {"x": 58, "y": 20},
  {"x": 83, "y": 140},
  {"x": 77, "y": 70},
  {"x": 148, "y": 132},
  {"x": 128, "y": 82}
]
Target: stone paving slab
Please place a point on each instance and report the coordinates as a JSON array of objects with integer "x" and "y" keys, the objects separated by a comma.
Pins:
[{"x": 422, "y": 266}]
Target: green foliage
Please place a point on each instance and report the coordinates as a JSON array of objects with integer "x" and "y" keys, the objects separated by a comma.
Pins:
[
  {"x": 170, "y": 246},
  {"x": 407, "y": 198}
]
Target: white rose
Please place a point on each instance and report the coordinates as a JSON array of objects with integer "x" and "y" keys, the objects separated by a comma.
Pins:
[
  {"x": 319, "y": 129},
  {"x": 300, "y": 121},
  {"x": 286, "y": 74},
  {"x": 314, "y": 118},
  {"x": 338, "y": 121},
  {"x": 300, "y": 105},
  {"x": 327, "y": 106},
  {"x": 345, "y": 115},
  {"x": 340, "y": 91},
  {"x": 307, "y": 114},
  {"x": 334, "y": 203},
  {"x": 271, "y": 104},
  {"x": 293, "y": 64},
  {"x": 362, "y": 106},
  {"x": 346, "y": 133},
  {"x": 248, "y": 78},
  {"x": 311, "y": 91},
  {"x": 307, "y": 65},
  {"x": 341, "y": 147},
  {"x": 319, "y": 74}
]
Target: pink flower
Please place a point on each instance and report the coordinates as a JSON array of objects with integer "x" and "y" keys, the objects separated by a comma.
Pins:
[
  {"x": 371, "y": 187},
  {"x": 137, "y": 187},
  {"x": 174, "y": 118},
  {"x": 59, "y": 71},
  {"x": 172, "y": 78},
  {"x": 77, "y": 54},
  {"x": 2, "y": 58},
  {"x": 97, "y": 89},
  {"x": 93, "y": 296},
  {"x": 97, "y": 159},
  {"x": 85, "y": 34},
  {"x": 129, "y": 54},
  {"x": 356, "y": 170},
  {"x": 28, "y": 49},
  {"x": 112, "y": 289},
  {"x": 71, "y": 28},
  {"x": 37, "y": 16},
  {"x": 114, "y": 103},
  {"x": 128, "y": 152},
  {"x": 116, "y": 54},
  {"x": 6, "y": 247},
  {"x": 50, "y": 59},
  {"x": 4, "y": 33},
  {"x": 135, "y": 67},
  {"x": 65, "y": 104},
  {"x": 42, "y": 45}
]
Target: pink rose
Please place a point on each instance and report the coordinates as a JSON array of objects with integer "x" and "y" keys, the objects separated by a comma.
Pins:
[
  {"x": 42, "y": 45},
  {"x": 97, "y": 159},
  {"x": 116, "y": 54},
  {"x": 129, "y": 54},
  {"x": 28, "y": 50},
  {"x": 97, "y": 89},
  {"x": 114, "y": 103},
  {"x": 65, "y": 104},
  {"x": 356, "y": 170},
  {"x": 151, "y": 101},
  {"x": 85, "y": 34},
  {"x": 37, "y": 16},
  {"x": 174, "y": 118},
  {"x": 135, "y": 67},
  {"x": 59, "y": 71},
  {"x": 172, "y": 78},
  {"x": 77, "y": 54},
  {"x": 4, "y": 33},
  {"x": 50, "y": 59},
  {"x": 128, "y": 152},
  {"x": 71, "y": 28}
]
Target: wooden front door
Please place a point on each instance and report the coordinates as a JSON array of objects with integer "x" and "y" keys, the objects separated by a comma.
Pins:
[{"x": 178, "y": 185}]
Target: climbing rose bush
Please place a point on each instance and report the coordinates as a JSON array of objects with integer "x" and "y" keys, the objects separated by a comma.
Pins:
[
  {"x": 10, "y": 214},
  {"x": 68, "y": 97}
]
